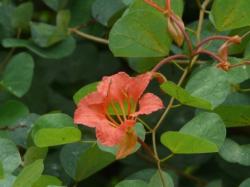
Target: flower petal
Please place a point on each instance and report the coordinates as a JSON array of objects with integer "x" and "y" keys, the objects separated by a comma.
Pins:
[
  {"x": 108, "y": 135},
  {"x": 90, "y": 111},
  {"x": 114, "y": 86},
  {"x": 149, "y": 103},
  {"x": 127, "y": 144},
  {"x": 138, "y": 85}
]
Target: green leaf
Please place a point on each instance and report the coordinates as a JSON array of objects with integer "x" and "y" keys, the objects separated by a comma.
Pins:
[
  {"x": 207, "y": 125},
  {"x": 141, "y": 65},
  {"x": 184, "y": 97},
  {"x": 140, "y": 33},
  {"x": 9, "y": 155},
  {"x": 57, "y": 51},
  {"x": 1, "y": 171},
  {"x": 11, "y": 111},
  {"x": 235, "y": 153},
  {"x": 15, "y": 81},
  {"x": 29, "y": 174},
  {"x": 239, "y": 74},
  {"x": 245, "y": 183},
  {"x": 181, "y": 143},
  {"x": 228, "y": 15},
  {"x": 82, "y": 160},
  {"x": 156, "y": 180},
  {"x": 84, "y": 91},
  {"x": 56, "y": 4},
  {"x": 54, "y": 129},
  {"x": 62, "y": 21},
  {"x": 234, "y": 115},
  {"x": 105, "y": 11},
  {"x": 132, "y": 183},
  {"x": 46, "y": 180},
  {"x": 22, "y": 15},
  {"x": 45, "y": 35},
  {"x": 247, "y": 51},
  {"x": 215, "y": 183},
  {"x": 203, "y": 134},
  {"x": 34, "y": 153},
  {"x": 7, "y": 181},
  {"x": 80, "y": 12},
  {"x": 211, "y": 84}
]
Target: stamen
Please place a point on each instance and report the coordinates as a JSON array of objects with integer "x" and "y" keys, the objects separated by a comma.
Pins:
[
  {"x": 112, "y": 121},
  {"x": 123, "y": 110},
  {"x": 116, "y": 112}
]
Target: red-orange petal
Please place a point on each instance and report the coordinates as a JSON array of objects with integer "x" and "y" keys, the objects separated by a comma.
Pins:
[
  {"x": 108, "y": 135},
  {"x": 149, "y": 103},
  {"x": 90, "y": 111},
  {"x": 113, "y": 86},
  {"x": 138, "y": 85}
]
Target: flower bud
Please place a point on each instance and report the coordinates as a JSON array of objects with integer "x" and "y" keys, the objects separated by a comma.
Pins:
[{"x": 175, "y": 28}]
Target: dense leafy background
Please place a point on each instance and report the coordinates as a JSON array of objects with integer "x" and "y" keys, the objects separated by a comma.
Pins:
[{"x": 44, "y": 62}]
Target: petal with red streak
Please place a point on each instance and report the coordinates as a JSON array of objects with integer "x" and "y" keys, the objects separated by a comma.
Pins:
[
  {"x": 138, "y": 85},
  {"x": 149, "y": 103},
  {"x": 114, "y": 86}
]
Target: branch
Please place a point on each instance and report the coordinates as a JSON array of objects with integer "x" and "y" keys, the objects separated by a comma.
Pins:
[{"x": 88, "y": 36}]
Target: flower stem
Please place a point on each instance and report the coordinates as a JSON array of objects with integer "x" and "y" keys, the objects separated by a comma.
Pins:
[
  {"x": 145, "y": 124},
  {"x": 167, "y": 157},
  {"x": 88, "y": 36},
  {"x": 168, "y": 60},
  {"x": 206, "y": 40}
]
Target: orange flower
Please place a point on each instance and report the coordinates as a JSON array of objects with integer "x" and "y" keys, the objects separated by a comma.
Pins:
[{"x": 112, "y": 110}]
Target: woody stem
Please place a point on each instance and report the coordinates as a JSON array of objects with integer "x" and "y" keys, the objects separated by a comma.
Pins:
[
  {"x": 168, "y": 60},
  {"x": 206, "y": 40},
  {"x": 209, "y": 53}
]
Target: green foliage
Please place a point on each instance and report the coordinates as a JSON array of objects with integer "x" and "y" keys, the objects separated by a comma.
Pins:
[
  {"x": 53, "y": 53},
  {"x": 9, "y": 156},
  {"x": 84, "y": 91},
  {"x": 15, "y": 81},
  {"x": 184, "y": 97},
  {"x": 11, "y": 111},
  {"x": 197, "y": 136},
  {"x": 235, "y": 153},
  {"x": 54, "y": 129},
  {"x": 228, "y": 15},
  {"x": 209, "y": 80},
  {"x": 29, "y": 174},
  {"x": 234, "y": 115},
  {"x": 22, "y": 15},
  {"x": 155, "y": 180},
  {"x": 85, "y": 159}
]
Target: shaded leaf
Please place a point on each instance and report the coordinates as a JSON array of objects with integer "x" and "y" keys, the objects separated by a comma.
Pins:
[
  {"x": 82, "y": 160},
  {"x": 105, "y": 11},
  {"x": 234, "y": 115},
  {"x": 22, "y": 15},
  {"x": 11, "y": 111},
  {"x": 211, "y": 84},
  {"x": 9, "y": 155},
  {"x": 235, "y": 153},
  {"x": 57, "y": 51},
  {"x": 18, "y": 74}
]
